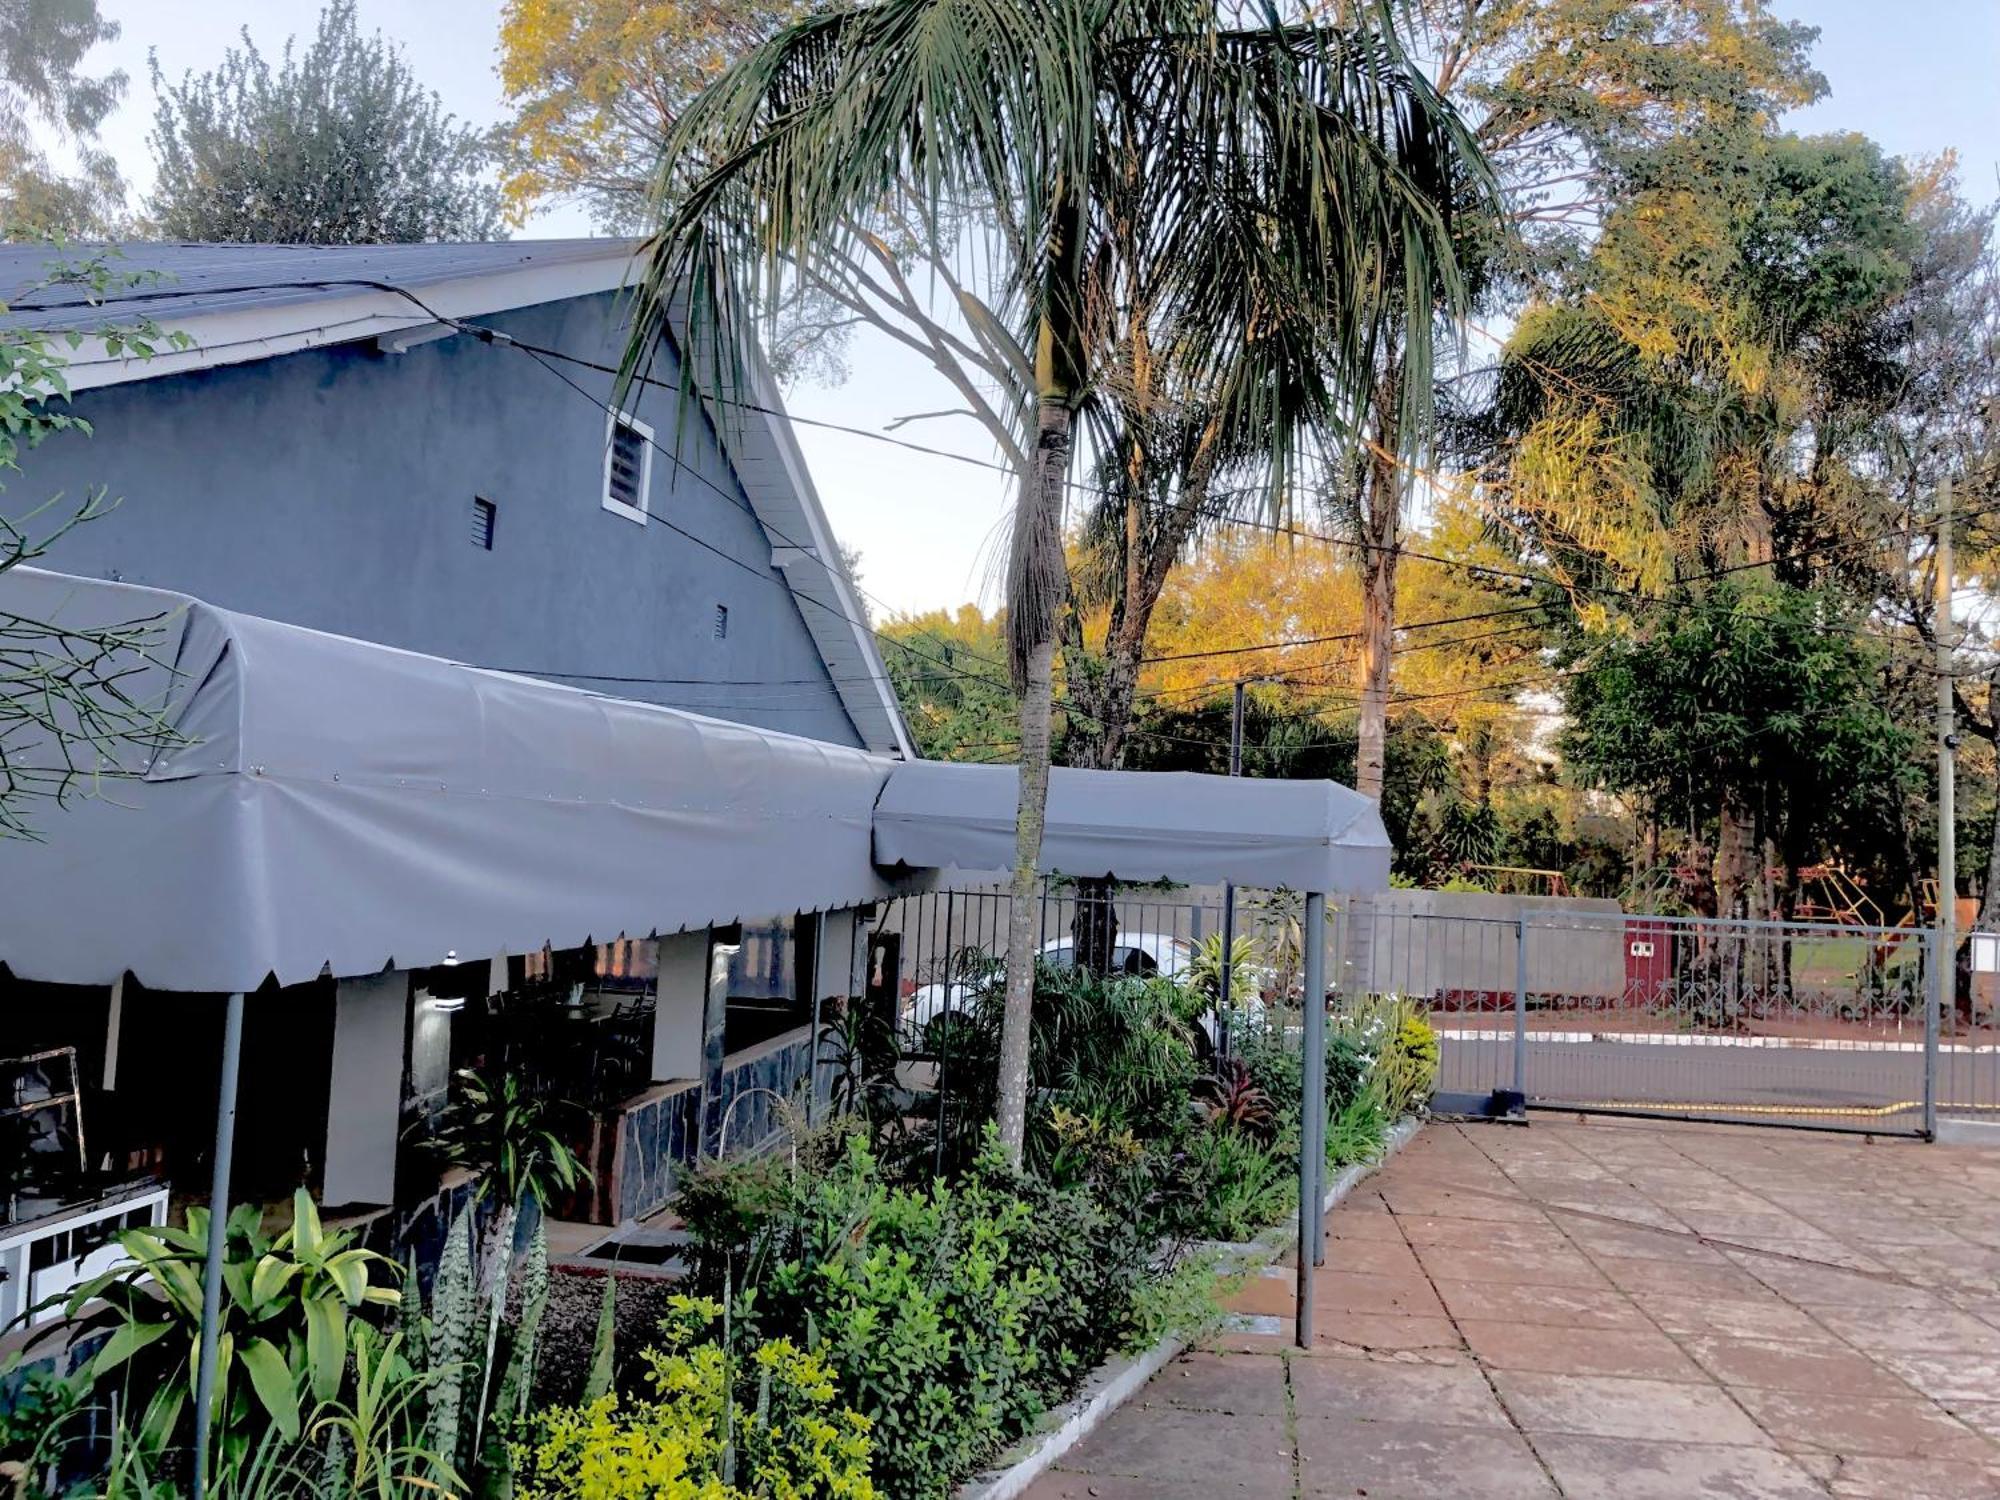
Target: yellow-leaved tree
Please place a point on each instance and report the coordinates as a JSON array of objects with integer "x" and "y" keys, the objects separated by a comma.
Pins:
[{"x": 596, "y": 85}]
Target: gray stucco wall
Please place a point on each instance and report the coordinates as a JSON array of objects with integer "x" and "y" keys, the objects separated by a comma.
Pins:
[{"x": 334, "y": 489}]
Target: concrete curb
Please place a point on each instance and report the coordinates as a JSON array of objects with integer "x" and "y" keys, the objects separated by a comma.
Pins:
[
  {"x": 1953, "y": 1131},
  {"x": 1121, "y": 1377}
]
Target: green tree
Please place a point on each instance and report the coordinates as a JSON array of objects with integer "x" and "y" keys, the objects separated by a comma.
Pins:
[
  {"x": 339, "y": 145},
  {"x": 596, "y": 86},
  {"x": 954, "y": 692},
  {"x": 1718, "y": 391},
  {"x": 1309, "y": 154},
  {"x": 1575, "y": 104},
  {"x": 43, "y": 44},
  {"x": 1755, "y": 704}
]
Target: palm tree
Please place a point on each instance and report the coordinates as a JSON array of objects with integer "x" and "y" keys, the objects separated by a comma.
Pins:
[{"x": 1308, "y": 161}]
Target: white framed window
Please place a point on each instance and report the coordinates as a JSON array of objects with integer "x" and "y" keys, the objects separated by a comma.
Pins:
[{"x": 628, "y": 467}]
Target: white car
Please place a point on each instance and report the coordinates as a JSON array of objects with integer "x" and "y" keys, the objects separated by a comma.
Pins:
[{"x": 1142, "y": 954}]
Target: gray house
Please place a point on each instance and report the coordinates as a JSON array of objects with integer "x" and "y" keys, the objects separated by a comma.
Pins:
[
  {"x": 416, "y": 447},
  {"x": 329, "y": 452}
]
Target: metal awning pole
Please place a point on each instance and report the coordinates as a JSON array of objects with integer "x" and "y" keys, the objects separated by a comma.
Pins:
[
  {"x": 218, "y": 1220},
  {"x": 1312, "y": 1110},
  {"x": 812, "y": 1068},
  {"x": 1229, "y": 886}
]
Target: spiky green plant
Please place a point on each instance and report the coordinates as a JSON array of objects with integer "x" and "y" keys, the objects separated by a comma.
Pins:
[
  {"x": 604, "y": 1345},
  {"x": 454, "y": 1323},
  {"x": 480, "y": 1364}
]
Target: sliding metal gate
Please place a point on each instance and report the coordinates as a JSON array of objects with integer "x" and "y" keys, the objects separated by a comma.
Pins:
[
  {"x": 1802, "y": 1024},
  {"x": 1791, "y": 1023}
]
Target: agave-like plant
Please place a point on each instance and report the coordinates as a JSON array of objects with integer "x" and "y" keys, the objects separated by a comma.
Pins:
[{"x": 285, "y": 1332}]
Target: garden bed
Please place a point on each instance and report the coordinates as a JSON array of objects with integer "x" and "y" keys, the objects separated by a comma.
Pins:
[
  {"x": 1121, "y": 1377},
  {"x": 876, "y": 1313}
]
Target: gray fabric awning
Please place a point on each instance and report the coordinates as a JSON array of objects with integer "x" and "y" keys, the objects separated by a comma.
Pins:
[
  {"x": 328, "y": 805},
  {"x": 337, "y": 805},
  {"x": 1138, "y": 826}
]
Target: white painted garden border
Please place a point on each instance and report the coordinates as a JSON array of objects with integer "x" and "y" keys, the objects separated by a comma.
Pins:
[{"x": 1119, "y": 1378}]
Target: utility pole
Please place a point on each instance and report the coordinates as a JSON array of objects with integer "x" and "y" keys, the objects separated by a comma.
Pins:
[
  {"x": 1228, "y": 887},
  {"x": 1947, "y": 849}
]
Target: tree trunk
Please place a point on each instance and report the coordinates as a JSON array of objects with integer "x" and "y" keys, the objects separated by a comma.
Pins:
[
  {"x": 1381, "y": 536},
  {"x": 1023, "y": 912},
  {"x": 1094, "y": 928},
  {"x": 1989, "y": 893},
  {"x": 1103, "y": 693},
  {"x": 1033, "y": 619},
  {"x": 1736, "y": 849},
  {"x": 1378, "y": 609}
]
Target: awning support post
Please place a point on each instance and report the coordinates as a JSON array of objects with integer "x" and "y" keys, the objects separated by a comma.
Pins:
[
  {"x": 1312, "y": 1122},
  {"x": 812, "y": 1068},
  {"x": 218, "y": 1221}
]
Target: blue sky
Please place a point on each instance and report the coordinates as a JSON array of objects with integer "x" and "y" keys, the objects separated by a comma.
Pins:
[{"x": 1921, "y": 76}]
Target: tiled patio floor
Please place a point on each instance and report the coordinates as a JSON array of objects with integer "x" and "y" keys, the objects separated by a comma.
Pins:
[{"x": 1616, "y": 1309}]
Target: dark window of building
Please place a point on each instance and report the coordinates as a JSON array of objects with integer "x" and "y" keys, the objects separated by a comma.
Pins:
[
  {"x": 722, "y": 622},
  {"x": 484, "y": 514}
]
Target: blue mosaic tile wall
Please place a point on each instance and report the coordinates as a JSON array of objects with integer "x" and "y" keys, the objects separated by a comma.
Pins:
[{"x": 658, "y": 1136}]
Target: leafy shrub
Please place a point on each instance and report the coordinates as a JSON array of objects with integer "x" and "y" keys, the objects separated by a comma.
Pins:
[
  {"x": 710, "y": 1431},
  {"x": 1272, "y": 1056},
  {"x": 950, "y": 1314},
  {"x": 1414, "y": 1059},
  {"x": 1235, "y": 1102},
  {"x": 1119, "y": 1049},
  {"x": 1235, "y": 1184},
  {"x": 285, "y": 1323},
  {"x": 1348, "y": 1067},
  {"x": 36, "y": 1409},
  {"x": 1400, "y": 1047},
  {"x": 1357, "y": 1129}
]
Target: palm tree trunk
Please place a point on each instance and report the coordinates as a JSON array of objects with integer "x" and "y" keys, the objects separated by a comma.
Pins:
[
  {"x": 1037, "y": 705},
  {"x": 1032, "y": 623},
  {"x": 1378, "y": 606},
  {"x": 1381, "y": 534}
]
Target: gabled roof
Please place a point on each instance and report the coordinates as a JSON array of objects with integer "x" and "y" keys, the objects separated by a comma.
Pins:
[{"x": 238, "y": 303}]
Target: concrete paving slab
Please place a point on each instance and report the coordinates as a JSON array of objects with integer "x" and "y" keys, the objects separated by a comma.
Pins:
[
  {"x": 1640, "y": 1353},
  {"x": 1543, "y": 1306},
  {"x": 1158, "y": 1441},
  {"x": 1771, "y": 1365},
  {"x": 1610, "y": 1406},
  {"x": 1206, "y": 1381},
  {"x": 1591, "y": 1468},
  {"x": 1579, "y": 1310},
  {"x": 1906, "y": 1479},
  {"x": 1820, "y": 1422},
  {"x": 1387, "y": 1391},
  {"x": 1416, "y": 1461}
]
